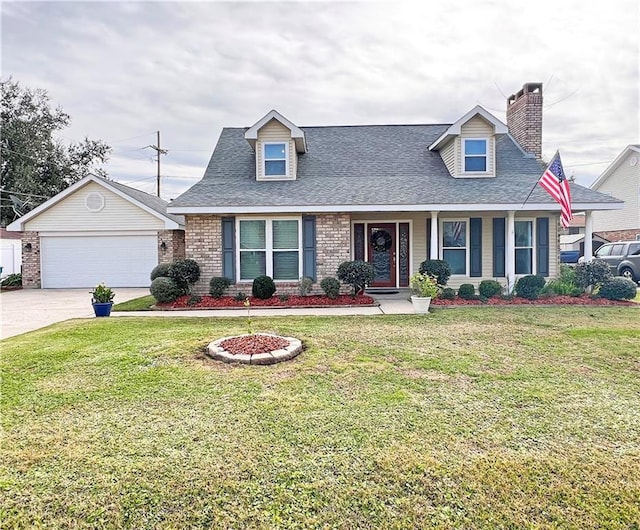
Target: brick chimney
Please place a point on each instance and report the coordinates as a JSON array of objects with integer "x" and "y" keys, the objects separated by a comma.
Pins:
[{"x": 524, "y": 118}]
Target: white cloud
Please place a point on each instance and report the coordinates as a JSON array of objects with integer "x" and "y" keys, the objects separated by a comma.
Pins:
[{"x": 125, "y": 70}]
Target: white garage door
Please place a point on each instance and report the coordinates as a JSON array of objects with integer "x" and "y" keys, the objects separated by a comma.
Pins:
[{"x": 85, "y": 261}]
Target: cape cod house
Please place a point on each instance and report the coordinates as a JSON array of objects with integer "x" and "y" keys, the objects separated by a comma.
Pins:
[{"x": 291, "y": 201}]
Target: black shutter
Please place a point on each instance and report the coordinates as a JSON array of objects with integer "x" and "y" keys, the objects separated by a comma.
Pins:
[
  {"x": 499, "y": 251},
  {"x": 309, "y": 246},
  {"x": 429, "y": 256},
  {"x": 229, "y": 248},
  {"x": 475, "y": 250},
  {"x": 542, "y": 250}
]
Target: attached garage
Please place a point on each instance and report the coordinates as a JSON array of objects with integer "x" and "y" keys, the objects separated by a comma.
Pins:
[
  {"x": 116, "y": 260},
  {"x": 98, "y": 231}
]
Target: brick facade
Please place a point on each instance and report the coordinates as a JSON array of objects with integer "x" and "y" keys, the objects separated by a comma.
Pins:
[
  {"x": 31, "y": 260},
  {"x": 174, "y": 245},
  {"x": 203, "y": 243},
  {"x": 619, "y": 235},
  {"x": 524, "y": 118}
]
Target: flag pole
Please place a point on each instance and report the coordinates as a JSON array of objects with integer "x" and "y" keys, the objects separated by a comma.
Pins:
[{"x": 534, "y": 186}]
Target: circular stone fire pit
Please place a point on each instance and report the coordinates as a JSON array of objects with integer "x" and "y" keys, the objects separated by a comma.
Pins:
[{"x": 255, "y": 348}]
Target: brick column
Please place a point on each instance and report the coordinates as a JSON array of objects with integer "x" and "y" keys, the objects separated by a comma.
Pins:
[
  {"x": 174, "y": 245},
  {"x": 31, "y": 274},
  {"x": 333, "y": 240}
]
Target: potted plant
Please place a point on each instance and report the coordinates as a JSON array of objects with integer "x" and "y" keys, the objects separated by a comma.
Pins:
[
  {"x": 102, "y": 300},
  {"x": 423, "y": 288}
]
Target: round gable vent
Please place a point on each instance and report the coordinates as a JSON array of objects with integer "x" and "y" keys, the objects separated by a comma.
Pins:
[{"x": 94, "y": 201}]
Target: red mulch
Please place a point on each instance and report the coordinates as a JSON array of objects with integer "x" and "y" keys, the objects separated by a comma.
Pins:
[
  {"x": 545, "y": 300},
  {"x": 252, "y": 344},
  {"x": 208, "y": 302}
]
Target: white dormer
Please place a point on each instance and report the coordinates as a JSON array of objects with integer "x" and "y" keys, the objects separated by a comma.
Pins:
[
  {"x": 468, "y": 146},
  {"x": 277, "y": 143}
]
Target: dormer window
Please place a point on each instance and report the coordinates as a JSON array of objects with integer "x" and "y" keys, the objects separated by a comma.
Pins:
[
  {"x": 275, "y": 159},
  {"x": 475, "y": 155}
]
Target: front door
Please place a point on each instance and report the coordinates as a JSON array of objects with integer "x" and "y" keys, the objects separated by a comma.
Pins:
[{"x": 381, "y": 245}]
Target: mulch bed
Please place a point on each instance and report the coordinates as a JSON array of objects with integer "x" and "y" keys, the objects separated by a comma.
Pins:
[
  {"x": 252, "y": 344},
  {"x": 545, "y": 300},
  {"x": 228, "y": 302}
]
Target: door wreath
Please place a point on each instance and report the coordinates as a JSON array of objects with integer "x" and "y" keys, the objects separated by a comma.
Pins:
[{"x": 380, "y": 241}]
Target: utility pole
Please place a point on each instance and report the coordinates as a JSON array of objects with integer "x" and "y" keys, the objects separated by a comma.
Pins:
[{"x": 159, "y": 152}]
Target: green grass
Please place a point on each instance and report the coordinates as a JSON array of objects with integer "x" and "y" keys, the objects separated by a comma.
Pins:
[
  {"x": 143, "y": 303},
  {"x": 491, "y": 418}
]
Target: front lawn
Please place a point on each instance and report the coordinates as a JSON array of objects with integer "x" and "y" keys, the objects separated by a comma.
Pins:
[{"x": 517, "y": 417}]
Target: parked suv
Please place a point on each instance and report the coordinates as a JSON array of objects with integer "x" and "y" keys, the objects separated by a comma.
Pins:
[{"x": 623, "y": 258}]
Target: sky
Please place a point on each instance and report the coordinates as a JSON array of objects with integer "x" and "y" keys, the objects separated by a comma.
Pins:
[{"x": 125, "y": 70}]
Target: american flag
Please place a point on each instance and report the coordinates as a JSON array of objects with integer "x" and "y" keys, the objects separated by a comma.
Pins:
[{"x": 555, "y": 183}]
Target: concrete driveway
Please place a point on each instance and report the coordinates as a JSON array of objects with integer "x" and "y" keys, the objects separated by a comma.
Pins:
[{"x": 28, "y": 309}]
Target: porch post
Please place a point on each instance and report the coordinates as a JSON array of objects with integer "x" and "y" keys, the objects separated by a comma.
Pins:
[
  {"x": 511, "y": 250},
  {"x": 588, "y": 236},
  {"x": 433, "y": 251}
]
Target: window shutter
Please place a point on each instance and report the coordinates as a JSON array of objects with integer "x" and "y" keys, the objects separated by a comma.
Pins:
[
  {"x": 428, "y": 254},
  {"x": 229, "y": 248},
  {"x": 499, "y": 252},
  {"x": 542, "y": 250},
  {"x": 309, "y": 246},
  {"x": 475, "y": 250}
]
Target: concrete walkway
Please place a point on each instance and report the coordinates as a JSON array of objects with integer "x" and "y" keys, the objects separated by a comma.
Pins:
[{"x": 30, "y": 309}]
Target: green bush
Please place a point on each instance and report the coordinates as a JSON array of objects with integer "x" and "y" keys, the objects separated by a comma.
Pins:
[
  {"x": 165, "y": 289},
  {"x": 185, "y": 272},
  {"x": 160, "y": 270},
  {"x": 592, "y": 274},
  {"x": 467, "y": 291},
  {"x": 358, "y": 274},
  {"x": 12, "y": 280},
  {"x": 331, "y": 287},
  {"x": 448, "y": 293},
  {"x": 240, "y": 297},
  {"x": 489, "y": 288},
  {"x": 564, "y": 284},
  {"x": 218, "y": 285},
  {"x": 305, "y": 286},
  {"x": 263, "y": 287},
  {"x": 438, "y": 268},
  {"x": 530, "y": 286},
  {"x": 618, "y": 289}
]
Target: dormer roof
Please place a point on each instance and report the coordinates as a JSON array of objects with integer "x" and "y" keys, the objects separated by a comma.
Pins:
[
  {"x": 455, "y": 129},
  {"x": 297, "y": 135}
]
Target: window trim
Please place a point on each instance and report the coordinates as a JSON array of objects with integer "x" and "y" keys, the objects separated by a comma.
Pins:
[
  {"x": 269, "y": 250},
  {"x": 265, "y": 160},
  {"x": 467, "y": 242},
  {"x": 533, "y": 247},
  {"x": 486, "y": 157}
]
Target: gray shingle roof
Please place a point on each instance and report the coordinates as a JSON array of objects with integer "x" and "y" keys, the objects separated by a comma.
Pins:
[
  {"x": 368, "y": 165},
  {"x": 150, "y": 201}
]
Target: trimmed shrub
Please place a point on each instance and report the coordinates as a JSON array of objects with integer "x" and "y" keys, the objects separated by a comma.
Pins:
[
  {"x": 448, "y": 293},
  {"x": 305, "y": 286},
  {"x": 358, "y": 274},
  {"x": 159, "y": 270},
  {"x": 331, "y": 287},
  {"x": 165, "y": 289},
  {"x": 263, "y": 287},
  {"x": 592, "y": 274},
  {"x": 218, "y": 285},
  {"x": 12, "y": 280},
  {"x": 467, "y": 291},
  {"x": 489, "y": 288},
  {"x": 530, "y": 286},
  {"x": 618, "y": 289},
  {"x": 185, "y": 272},
  {"x": 438, "y": 268}
]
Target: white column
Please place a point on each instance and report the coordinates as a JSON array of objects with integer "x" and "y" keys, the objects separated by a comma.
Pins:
[
  {"x": 433, "y": 251},
  {"x": 510, "y": 246},
  {"x": 588, "y": 236}
]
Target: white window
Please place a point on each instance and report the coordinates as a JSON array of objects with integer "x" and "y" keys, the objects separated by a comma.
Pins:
[
  {"x": 271, "y": 247},
  {"x": 475, "y": 155},
  {"x": 454, "y": 245},
  {"x": 524, "y": 247},
  {"x": 275, "y": 156}
]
